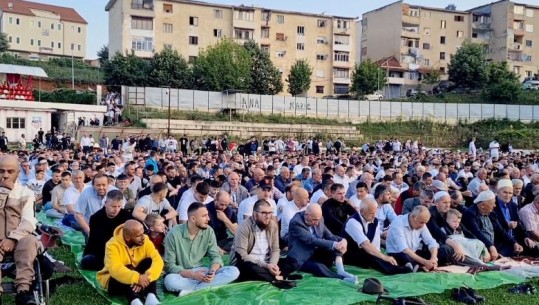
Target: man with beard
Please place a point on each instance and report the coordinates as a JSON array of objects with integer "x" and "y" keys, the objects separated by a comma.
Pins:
[
  {"x": 336, "y": 210},
  {"x": 185, "y": 247},
  {"x": 256, "y": 248},
  {"x": 132, "y": 265}
]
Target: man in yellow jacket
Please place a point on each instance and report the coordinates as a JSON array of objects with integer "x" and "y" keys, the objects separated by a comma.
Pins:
[{"x": 132, "y": 265}]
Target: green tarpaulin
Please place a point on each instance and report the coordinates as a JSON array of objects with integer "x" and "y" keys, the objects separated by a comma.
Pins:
[{"x": 310, "y": 290}]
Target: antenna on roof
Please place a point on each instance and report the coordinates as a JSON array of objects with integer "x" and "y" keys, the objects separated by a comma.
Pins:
[{"x": 10, "y": 5}]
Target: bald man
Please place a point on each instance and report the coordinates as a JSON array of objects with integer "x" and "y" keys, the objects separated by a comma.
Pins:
[
  {"x": 258, "y": 175},
  {"x": 314, "y": 248},
  {"x": 223, "y": 220},
  {"x": 300, "y": 201},
  {"x": 17, "y": 223},
  {"x": 132, "y": 265}
]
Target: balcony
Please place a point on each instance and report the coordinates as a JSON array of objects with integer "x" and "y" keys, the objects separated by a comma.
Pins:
[
  {"x": 516, "y": 47},
  {"x": 410, "y": 32},
  {"x": 342, "y": 47},
  {"x": 395, "y": 80},
  {"x": 339, "y": 80},
  {"x": 519, "y": 30},
  {"x": 481, "y": 26},
  {"x": 142, "y": 8},
  {"x": 410, "y": 19}
]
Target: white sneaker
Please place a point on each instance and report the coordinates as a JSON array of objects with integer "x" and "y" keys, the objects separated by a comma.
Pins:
[
  {"x": 151, "y": 299},
  {"x": 185, "y": 292},
  {"x": 136, "y": 302},
  {"x": 352, "y": 279}
]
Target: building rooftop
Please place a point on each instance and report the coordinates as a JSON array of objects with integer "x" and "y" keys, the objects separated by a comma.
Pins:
[
  {"x": 420, "y": 7},
  {"x": 25, "y": 8},
  {"x": 242, "y": 6}
]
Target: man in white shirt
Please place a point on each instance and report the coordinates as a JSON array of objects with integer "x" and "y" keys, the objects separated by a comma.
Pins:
[
  {"x": 476, "y": 182},
  {"x": 263, "y": 191},
  {"x": 472, "y": 150},
  {"x": 398, "y": 183},
  {"x": 304, "y": 163},
  {"x": 494, "y": 147},
  {"x": 286, "y": 199},
  {"x": 200, "y": 194},
  {"x": 363, "y": 235},
  {"x": 299, "y": 203},
  {"x": 407, "y": 235},
  {"x": 341, "y": 177},
  {"x": 71, "y": 196},
  {"x": 362, "y": 193}
]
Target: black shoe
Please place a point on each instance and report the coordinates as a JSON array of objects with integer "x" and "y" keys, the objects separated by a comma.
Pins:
[
  {"x": 283, "y": 284},
  {"x": 473, "y": 293},
  {"x": 460, "y": 295},
  {"x": 294, "y": 277},
  {"x": 25, "y": 298}
]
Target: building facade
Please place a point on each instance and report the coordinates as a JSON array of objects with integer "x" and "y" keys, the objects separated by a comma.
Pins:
[
  {"x": 40, "y": 31},
  {"x": 327, "y": 42},
  {"x": 408, "y": 40}
]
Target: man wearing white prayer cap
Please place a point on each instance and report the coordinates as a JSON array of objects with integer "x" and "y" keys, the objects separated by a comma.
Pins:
[
  {"x": 484, "y": 225},
  {"x": 450, "y": 251}
]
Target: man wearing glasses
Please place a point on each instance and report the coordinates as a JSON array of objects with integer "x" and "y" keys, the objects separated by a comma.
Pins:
[{"x": 263, "y": 191}]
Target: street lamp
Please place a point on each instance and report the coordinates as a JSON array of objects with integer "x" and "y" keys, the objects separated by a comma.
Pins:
[
  {"x": 169, "y": 110},
  {"x": 72, "y": 68}
]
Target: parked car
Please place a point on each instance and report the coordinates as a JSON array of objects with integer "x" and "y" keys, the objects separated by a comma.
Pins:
[
  {"x": 376, "y": 96},
  {"x": 415, "y": 93},
  {"x": 443, "y": 86},
  {"x": 531, "y": 85}
]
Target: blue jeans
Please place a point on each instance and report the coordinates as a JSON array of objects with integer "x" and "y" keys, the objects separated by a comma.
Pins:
[{"x": 174, "y": 282}]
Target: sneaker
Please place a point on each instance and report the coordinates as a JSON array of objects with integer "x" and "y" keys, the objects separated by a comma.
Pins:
[
  {"x": 294, "y": 277},
  {"x": 185, "y": 292},
  {"x": 283, "y": 284},
  {"x": 460, "y": 295},
  {"x": 25, "y": 298},
  {"x": 523, "y": 288},
  {"x": 413, "y": 268},
  {"x": 473, "y": 293}
]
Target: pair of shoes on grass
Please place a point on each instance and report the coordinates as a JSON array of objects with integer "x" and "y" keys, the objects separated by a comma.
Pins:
[
  {"x": 467, "y": 295},
  {"x": 524, "y": 288}
]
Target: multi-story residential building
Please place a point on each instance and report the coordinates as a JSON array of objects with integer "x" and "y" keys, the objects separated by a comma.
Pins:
[
  {"x": 40, "y": 31},
  {"x": 408, "y": 40},
  {"x": 510, "y": 32},
  {"x": 327, "y": 42}
]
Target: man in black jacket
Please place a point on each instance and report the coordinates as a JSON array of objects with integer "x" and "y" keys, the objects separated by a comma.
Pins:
[{"x": 336, "y": 210}]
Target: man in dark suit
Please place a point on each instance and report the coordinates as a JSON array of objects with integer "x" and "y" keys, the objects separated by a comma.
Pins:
[{"x": 314, "y": 248}]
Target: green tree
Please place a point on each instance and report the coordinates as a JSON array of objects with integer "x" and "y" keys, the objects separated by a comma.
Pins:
[
  {"x": 126, "y": 70},
  {"x": 432, "y": 77},
  {"x": 265, "y": 77},
  {"x": 169, "y": 68},
  {"x": 502, "y": 84},
  {"x": 467, "y": 67},
  {"x": 103, "y": 54},
  {"x": 4, "y": 43},
  {"x": 225, "y": 65},
  {"x": 299, "y": 79},
  {"x": 367, "y": 77}
]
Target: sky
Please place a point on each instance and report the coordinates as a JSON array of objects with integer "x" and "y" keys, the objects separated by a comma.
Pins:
[{"x": 94, "y": 11}]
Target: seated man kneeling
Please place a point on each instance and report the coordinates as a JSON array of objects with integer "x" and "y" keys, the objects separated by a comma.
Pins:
[
  {"x": 185, "y": 247},
  {"x": 256, "y": 248},
  {"x": 132, "y": 265}
]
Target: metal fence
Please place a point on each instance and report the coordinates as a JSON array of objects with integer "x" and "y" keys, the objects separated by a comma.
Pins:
[{"x": 353, "y": 110}]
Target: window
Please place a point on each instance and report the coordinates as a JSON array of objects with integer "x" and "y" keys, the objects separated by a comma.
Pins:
[
  {"x": 426, "y": 46},
  {"x": 38, "y": 23},
  {"x": 442, "y": 39},
  {"x": 320, "y": 89},
  {"x": 16, "y": 123},
  {"x": 300, "y": 46},
  {"x": 529, "y": 43},
  {"x": 527, "y": 58},
  {"x": 442, "y": 69},
  {"x": 192, "y": 59},
  {"x": 321, "y": 40},
  {"x": 474, "y": 35},
  {"x": 10, "y": 20},
  {"x": 460, "y": 34},
  {"x": 193, "y": 21},
  {"x": 18, "y": 40},
  {"x": 280, "y": 19},
  {"x": 141, "y": 23},
  {"x": 142, "y": 43},
  {"x": 281, "y": 53},
  {"x": 443, "y": 24},
  {"x": 265, "y": 32},
  {"x": 52, "y": 26},
  {"x": 322, "y": 23},
  {"x": 280, "y": 37},
  {"x": 218, "y": 14},
  {"x": 167, "y": 46},
  {"x": 72, "y": 46},
  {"x": 167, "y": 28},
  {"x": 266, "y": 16},
  {"x": 442, "y": 55},
  {"x": 529, "y": 73},
  {"x": 529, "y": 12},
  {"x": 342, "y": 56},
  {"x": 343, "y": 24},
  {"x": 518, "y": 10},
  {"x": 243, "y": 34},
  {"x": 301, "y": 30},
  {"x": 426, "y": 61},
  {"x": 321, "y": 57},
  {"x": 244, "y": 15},
  {"x": 52, "y": 44},
  {"x": 341, "y": 40},
  {"x": 39, "y": 43},
  {"x": 79, "y": 30},
  {"x": 341, "y": 73},
  {"x": 459, "y": 18},
  {"x": 426, "y": 31},
  {"x": 529, "y": 28},
  {"x": 167, "y": 8},
  {"x": 217, "y": 32},
  {"x": 59, "y": 45},
  {"x": 78, "y": 47},
  {"x": 265, "y": 48},
  {"x": 59, "y": 26},
  {"x": 18, "y": 21},
  {"x": 10, "y": 39},
  {"x": 340, "y": 89},
  {"x": 193, "y": 40}
]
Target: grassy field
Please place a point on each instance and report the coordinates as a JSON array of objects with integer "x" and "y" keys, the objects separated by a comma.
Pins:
[{"x": 80, "y": 292}]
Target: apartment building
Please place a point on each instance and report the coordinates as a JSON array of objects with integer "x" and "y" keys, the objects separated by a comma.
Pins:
[
  {"x": 409, "y": 40},
  {"x": 327, "y": 42},
  {"x": 40, "y": 31},
  {"x": 510, "y": 32}
]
